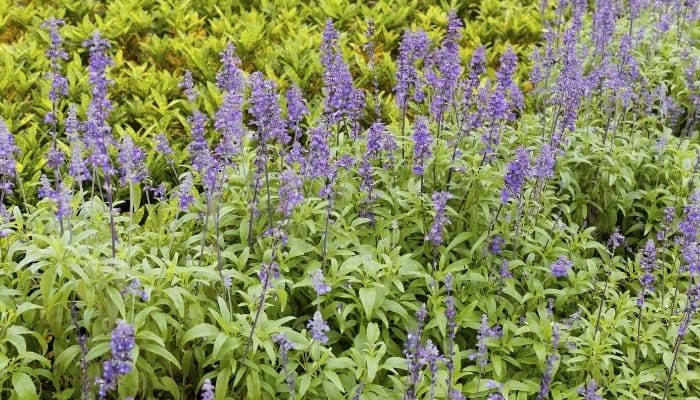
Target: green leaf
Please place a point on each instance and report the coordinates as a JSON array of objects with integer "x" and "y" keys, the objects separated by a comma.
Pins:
[
  {"x": 372, "y": 332},
  {"x": 372, "y": 368},
  {"x": 253, "y": 385},
  {"x": 304, "y": 384},
  {"x": 117, "y": 300},
  {"x": 333, "y": 377},
  {"x": 160, "y": 352},
  {"x": 177, "y": 302},
  {"x": 23, "y": 386},
  {"x": 201, "y": 331},
  {"x": 368, "y": 296}
]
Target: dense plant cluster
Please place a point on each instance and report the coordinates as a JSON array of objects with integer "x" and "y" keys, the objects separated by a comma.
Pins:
[{"x": 465, "y": 234}]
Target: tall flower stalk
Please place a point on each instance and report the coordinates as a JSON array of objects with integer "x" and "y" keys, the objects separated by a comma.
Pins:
[
  {"x": 98, "y": 133},
  {"x": 615, "y": 241},
  {"x": 649, "y": 263},
  {"x": 271, "y": 128},
  {"x": 412, "y": 50},
  {"x": 59, "y": 88}
]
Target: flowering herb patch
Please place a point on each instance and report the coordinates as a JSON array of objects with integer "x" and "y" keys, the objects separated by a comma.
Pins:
[{"x": 464, "y": 235}]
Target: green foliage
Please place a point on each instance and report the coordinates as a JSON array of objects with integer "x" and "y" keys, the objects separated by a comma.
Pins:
[{"x": 58, "y": 287}]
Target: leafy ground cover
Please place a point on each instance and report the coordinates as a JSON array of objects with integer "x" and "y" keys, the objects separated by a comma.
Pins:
[{"x": 444, "y": 227}]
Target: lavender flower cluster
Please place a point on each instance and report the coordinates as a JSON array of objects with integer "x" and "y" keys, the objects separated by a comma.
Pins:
[{"x": 123, "y": 342}]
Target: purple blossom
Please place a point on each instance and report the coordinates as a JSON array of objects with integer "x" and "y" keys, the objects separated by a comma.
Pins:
[
  {"x": 207, "y": 390},
  {"x": 202, "y": 159},
  {"x": 443, "y": 68},
  {"x": 414, "y": 47},
  {"x": 77, "y": 167},
  {"x": 423, "y": 142},
  {"x": 131, "y": 160},
  {"x": 317, "y": 326},
  {"x": 518, "y": 171},
  {"x": 289, "y": 192},
  {"x": 604, "y": 24},
  {"x": 666, "y": 230},
  {"x": 497, "y": 245},
  {"x": 318, "y": 162},
  {"x": 570, "y": 85},
  {"x": 544, "y": 164},
  {"x": 588, "y": 391},
  {"x": 505, "y": 272},
  {"x": 689, "y": 225},
  {"x": 550, "y": 307},
  {"x": 341, "y": 99},
  {"x": 319, "y": 283},
  {"x": 507, "y": 88},
  {"x": 184, "y": 194},
  {"x": 8, "y": 151},
  {"x": 187, "y": 85},
  {"x": 62, "y": 197},
  {"x": 135, "y": 289},
  {"x": 550, "y": 363},
  {"x": 266, "y": 111},
  {"x": 491, "y": 384},
  {"x": 616, "y": 240},
  {"x": 285, "y": 346},
  {"x": 440, "y": 220},
  {"x": 346, "y": 161},
  {"x": 649, "y": 263},
  {"x": 98, "y": 133},
  {"x": 123, "y": 341},
  {"x": 163, "y": 147},
  {"x": 573, "y": 319},
  {"x": 415, "y": 353},
  {"x": 485, "y": 332},
  {"x": 227, "y": 281},
  {"x": 561, "y": 267},
  {"x": 472, "y": 117},
  {"x": 296, "y": 109},
  {"x": 269, "y": 272},
  {"x": 430, "y": 355},
  {"x": 59, "y": 84},
  {"x": 691, "y": 308}
]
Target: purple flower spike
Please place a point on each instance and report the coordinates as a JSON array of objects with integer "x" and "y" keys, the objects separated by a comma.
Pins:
[
  {"x": 8, "y": 150},
  {"x": 184, "y": 194},
  {"x": 131, "y": 160},
  {"x": 423, "y": 142},
  {"x": 485, "y": 332},
  {"x": 518, "y": 172},
  {"x": 414, "y": 47},
  {"x": 98, "y": 133},
  {"x": 319, "y": 283},
  {"x": 341, "y": 100},
  {"x": 649, "y": 263},
  {"x": 290, "y": 192},
  {"x": 59, "y": 84},
  {"x": 444, "y": 68},
  {"x": 207, "y": 390},
  {"x": 266, "y": 111},
  {"x": 317, "y": 326},
  {"x": 439, "y": 205},
  {"x": 296, "y": 109},
  {"x": 187, "y": 85},
  {"x": 561, "y": 267},
  {"x": 62, "y": 197},
  {"x": 588, "y": 391},
  {"x": 163, "y": 147},
  {"x": 123, "y": 342}
]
